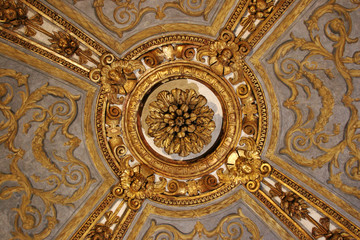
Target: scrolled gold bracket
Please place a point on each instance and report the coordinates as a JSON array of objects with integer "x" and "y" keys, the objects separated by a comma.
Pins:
[
  {"x": 245, "y": 166},
  {"x": 116, "y": 75}
]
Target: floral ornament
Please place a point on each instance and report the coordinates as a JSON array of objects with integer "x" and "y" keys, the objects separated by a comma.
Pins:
[
  {"x": 99, "y": 232},
  {"x": 294, "y": 205},
  {"x": 224, "y": 57},
  {"x": 324, "y": 231},
  {"x": 116, "y": 76},
  {"x": 136, "y": 184},
  {"x": 14, "y": 15},
  {"x": 261, "y": 8},
  {"x": 180, "y": 122},
  {"x": 245, "y": 166},
  {"x": 64, "y": 44},
  {"x": 291, "y": 203}
]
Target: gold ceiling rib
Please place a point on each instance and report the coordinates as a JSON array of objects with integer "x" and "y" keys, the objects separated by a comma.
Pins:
[
  {"x": 126, "y": 84},
  {"x": 236, "y": 221}
]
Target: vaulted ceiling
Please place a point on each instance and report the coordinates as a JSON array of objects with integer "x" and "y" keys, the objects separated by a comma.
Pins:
[{"x": 201, "y": 119}]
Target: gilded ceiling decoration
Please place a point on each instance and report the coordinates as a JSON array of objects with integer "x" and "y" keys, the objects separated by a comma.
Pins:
[{"x": 179, "y": 119}]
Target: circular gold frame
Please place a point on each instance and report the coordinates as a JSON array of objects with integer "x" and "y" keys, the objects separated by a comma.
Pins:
[{"x": 210, "y": 160}]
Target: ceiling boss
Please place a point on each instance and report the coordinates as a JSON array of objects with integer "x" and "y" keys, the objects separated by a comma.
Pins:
[
  {"x": 180, "y": 121},
  {"x": 173, "y": 111}
]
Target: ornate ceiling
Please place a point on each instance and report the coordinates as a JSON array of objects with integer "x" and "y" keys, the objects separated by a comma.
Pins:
[{"x": 198, "y": 119}]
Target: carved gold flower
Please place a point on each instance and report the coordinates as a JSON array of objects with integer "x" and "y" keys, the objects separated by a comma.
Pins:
[
  {"x": 224, "y": 58},
  {"x": 248, "y": 169},
  {"x": 64, "y": 44},
  {"x": 116, "y": 76},
  {"x": 261, "y": 8},
  {"x": 99, "y": 231},
  {"x": 12, "y": 14},
  {"x": 294, "y": 205},
  {"x": 180, "y": 122},
  {"x": 134, "y": 184}
]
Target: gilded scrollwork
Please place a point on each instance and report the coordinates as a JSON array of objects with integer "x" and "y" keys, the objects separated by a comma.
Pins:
[
  {"x": 18, "y": 20},
  {"x": 13, "y": 15},
  {"x": 245, "y": 166},
  {"x": 230, "y": 227},
  {"x": 116, "y": 76},
  {"x": 258, "y": 10},
  {"x": 63, "y": 172},
  {"x": 298, "y": 209},
  {"x": 127, "y": 15},
  {"x": 137, "y": 183},
  {"x": 301, "y": 137},
  {"x": 175, "y": 61},
  {"x": 225, "y": 56}
]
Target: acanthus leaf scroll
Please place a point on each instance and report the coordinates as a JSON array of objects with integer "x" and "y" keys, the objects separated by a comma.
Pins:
[{"x": 49, "y": 121}]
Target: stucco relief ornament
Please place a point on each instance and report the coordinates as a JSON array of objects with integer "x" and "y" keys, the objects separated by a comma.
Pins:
[
  {"x": 245, "y": 166},
  {"x": 116, "y": 76},
  {"x": 291, "y": 203},
  {"x": 180, "y": 122},
  {"x": 64, "y": 44},
  {"x": 225, "y": 56},
  {"x": 136, "y": 184},
  {"x": 261, "y": 9},
  {"x": 13, "y": 15}
]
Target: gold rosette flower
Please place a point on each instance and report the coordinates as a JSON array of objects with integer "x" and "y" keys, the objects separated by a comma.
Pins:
[
  {"x": 225, "y": 57},
  {"x": 13, "y": 14},
  {"x": 294, "y": 205},
  {"x": 116, "y": 76},
  {"x": 64, "y": 44},
  {"x": 180, "y": 122},
  {"x": 261, "y": 9}
]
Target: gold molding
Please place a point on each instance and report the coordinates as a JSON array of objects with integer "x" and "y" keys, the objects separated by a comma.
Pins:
[
  {"x": 91, "y": 220},
  {"x": 233, "y": 229},
  {"x": 266, "y": 25},
  {"x": 165, "y": 166},
  {"x": 122, "y": 46},
  {"x": 278, "y": 212},
  {"x": 90, "y": 143},
  {"x": 317, "y": 203},
  {"x": 255, "y": 60},
  {"x": 42, "y": 51},
  {"x": 240, "y": 194},
  {"x": 66, "y": 25}
]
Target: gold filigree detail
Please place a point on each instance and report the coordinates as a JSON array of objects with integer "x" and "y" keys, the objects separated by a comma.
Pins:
[
  {"x": 233, "y": 224},
  {"x": 291, "y": 203},
  {"x": 128, "y": 14},
  {"x": 295, "y": 204},
  {"x": 258, "y": 10},
  {"x": 136, "y": 184},
  {"x": 245, "y": 166},
  {"x": 301, "y": 137},
  {"x": 99, "y": 232},
  {"x": 261, "y": 9},
  {"x": 180, "y": 122},
  {"x": 323, "y": 230},
  {"x": 71, "y": 173},
  {"x": 225, "y": 56},
  {"x": 64, "y": 44},
  {"x": 116, "y": 76},
  {"x": 13, "y": 15}
]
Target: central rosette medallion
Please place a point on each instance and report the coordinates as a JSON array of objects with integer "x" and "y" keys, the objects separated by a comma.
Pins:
[{"x": 180, "y": 122}]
